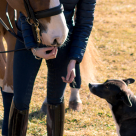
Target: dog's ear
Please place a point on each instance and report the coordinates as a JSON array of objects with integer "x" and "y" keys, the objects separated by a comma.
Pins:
[
  {"x": 126, "y": 100},
  {"x": 129, "y": 81}
]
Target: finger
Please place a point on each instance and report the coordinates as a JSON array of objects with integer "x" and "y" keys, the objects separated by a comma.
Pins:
[
  {"x": 66, "y": 81},
  {"x": 50, "y": 55},
  {"x": 52, "y": 58},
  {"x": 56, "y": 51},
  {"x": 48, "y": 48},
  {"x": 47, "y": 56},
  {"x": 63, "y": 78},
  {"x": 53, "y": 51},
  {"x": 53, "y": 54},
  {"x": 71, "y": 77},
  {"x": 56, "y": 48},
  {"x": 68, "y": 76}
]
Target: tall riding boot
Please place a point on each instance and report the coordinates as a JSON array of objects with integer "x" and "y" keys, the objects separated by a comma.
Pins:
[
  {"x": 18, "y": 121},
  {"x": 55, "y": 119},
  {"x": 7, "y": 100}
]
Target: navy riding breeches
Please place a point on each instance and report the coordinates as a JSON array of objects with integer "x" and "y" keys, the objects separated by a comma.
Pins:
[{"x": 25, "y": 69}]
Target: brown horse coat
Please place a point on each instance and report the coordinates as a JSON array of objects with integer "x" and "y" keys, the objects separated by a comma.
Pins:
[{"x": 6, "y": 75}]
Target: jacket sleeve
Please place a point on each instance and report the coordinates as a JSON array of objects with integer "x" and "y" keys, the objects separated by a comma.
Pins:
[
  {"x": 82, "y": 28},
  {"x": 27, "y": 33}
]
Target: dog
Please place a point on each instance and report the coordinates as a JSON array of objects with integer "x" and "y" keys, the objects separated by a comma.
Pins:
[{"x": 122, "y": 103}]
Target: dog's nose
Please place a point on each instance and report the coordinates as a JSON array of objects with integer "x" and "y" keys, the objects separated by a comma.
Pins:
[{"x": 90, "y": 86}]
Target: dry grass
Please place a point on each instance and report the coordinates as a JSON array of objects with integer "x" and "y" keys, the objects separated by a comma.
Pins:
[{"x": 114, "y": 36}]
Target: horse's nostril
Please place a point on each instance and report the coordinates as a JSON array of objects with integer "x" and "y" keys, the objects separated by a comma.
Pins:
[{"x": 55, "y": 42}]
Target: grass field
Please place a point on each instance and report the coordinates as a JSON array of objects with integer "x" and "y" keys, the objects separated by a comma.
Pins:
[{"x": 114, "y": 36}]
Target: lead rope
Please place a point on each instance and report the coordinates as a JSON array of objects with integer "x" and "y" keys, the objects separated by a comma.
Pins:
[
  {"x": 14, "y": 34},
  {"x": 31, "y": 15}
]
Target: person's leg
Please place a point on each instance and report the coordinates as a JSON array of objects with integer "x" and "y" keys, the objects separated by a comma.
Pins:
[
  {"x": 25, "y": 69},
  {"x": 75, "y": 102},
  {"x": 7, "y": 99},
  {"x": 55, "y": 92}
]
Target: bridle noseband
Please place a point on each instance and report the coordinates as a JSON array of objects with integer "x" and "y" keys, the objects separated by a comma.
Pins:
[{"x": 40, "y": 14}]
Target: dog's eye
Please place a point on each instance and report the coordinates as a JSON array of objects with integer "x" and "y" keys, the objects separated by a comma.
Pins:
[{"x": 106, "y": 86}]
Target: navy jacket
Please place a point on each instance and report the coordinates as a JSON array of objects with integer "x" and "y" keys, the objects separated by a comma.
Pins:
[{"x": 80, "y": 29}]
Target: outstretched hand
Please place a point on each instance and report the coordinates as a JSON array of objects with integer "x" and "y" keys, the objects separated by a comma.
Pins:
[{"x": 70, "y": 72}]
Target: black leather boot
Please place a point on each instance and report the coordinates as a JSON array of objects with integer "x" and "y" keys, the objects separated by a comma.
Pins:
[
  {"x": 55, "y": 119},
  {"x": 18, "y": 121}
]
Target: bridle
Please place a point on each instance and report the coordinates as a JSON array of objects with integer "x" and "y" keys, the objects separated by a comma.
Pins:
[
  {"x": 40, "y": 14},
  {"x": 34, "y": 16}
]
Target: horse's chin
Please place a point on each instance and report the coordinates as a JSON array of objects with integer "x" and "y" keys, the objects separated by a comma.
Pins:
[
  {"x": 51, "y": 45},
  {"x": 46, "y": 40}
]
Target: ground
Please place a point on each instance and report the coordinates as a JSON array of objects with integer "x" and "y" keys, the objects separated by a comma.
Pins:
[{"x": 114, "y": 36}]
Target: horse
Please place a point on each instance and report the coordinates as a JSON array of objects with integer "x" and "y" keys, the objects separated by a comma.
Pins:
[{"x": 6, "y": 62}]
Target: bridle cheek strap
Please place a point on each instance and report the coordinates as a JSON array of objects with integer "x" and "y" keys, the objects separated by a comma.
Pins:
[{"x": 29, "y": 10}]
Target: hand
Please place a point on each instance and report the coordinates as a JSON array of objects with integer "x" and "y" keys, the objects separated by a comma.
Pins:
[
  {"x": 70, "y": 72},
  {"x": 41, "y": 52}
]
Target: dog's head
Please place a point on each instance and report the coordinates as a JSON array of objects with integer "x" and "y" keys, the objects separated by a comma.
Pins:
[{"x": 113, "y": 91}]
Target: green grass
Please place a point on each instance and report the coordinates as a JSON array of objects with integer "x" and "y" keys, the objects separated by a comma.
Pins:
[{"x": 114, "y": 36}]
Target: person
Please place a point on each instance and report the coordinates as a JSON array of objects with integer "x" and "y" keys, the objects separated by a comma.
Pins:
[{"x": 61, "y": 62}]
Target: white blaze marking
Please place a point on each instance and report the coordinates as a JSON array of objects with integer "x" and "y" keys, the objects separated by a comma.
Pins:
[
  {"x": 57, "y": 28},
  {"x": 117, "y": 126},
  {"x": 7, "y": 89},
  {"x": 1, "y": 82},
  {"x": 75, "y": 95},
  {"x": 54, "y": 3}
]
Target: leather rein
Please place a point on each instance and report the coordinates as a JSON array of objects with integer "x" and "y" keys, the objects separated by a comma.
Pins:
[{"x": 34, "y": 16}]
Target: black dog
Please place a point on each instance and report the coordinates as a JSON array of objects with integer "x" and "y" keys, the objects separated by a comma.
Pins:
[{"x": 122, "y": 103}]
